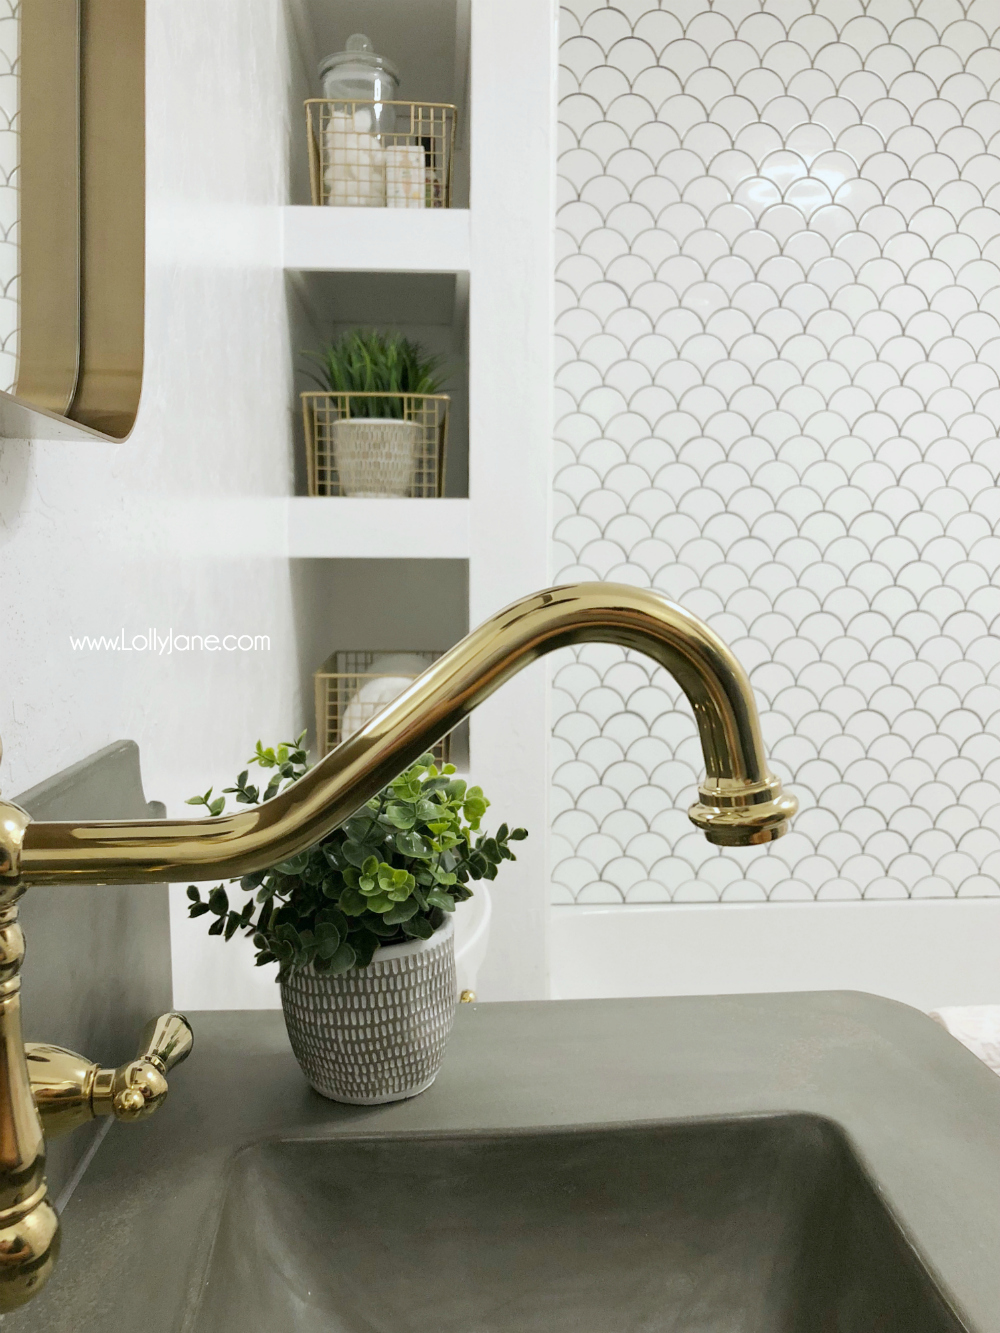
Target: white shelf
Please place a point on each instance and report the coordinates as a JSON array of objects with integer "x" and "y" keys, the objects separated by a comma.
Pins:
[
  {"x": 375, "y": 240},
  {"x": 341, "y": 528}
]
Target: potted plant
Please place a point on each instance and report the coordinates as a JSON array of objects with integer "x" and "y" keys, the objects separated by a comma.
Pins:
[
  {"x": 360, "y": 924},
  {"x": 377, "y": 376}
]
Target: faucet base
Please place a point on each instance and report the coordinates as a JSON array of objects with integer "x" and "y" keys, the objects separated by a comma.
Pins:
[{"x": 29, "y": 1248}]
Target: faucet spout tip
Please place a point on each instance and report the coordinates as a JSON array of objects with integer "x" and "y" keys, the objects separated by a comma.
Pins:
[{"x": 744, "y": 816}]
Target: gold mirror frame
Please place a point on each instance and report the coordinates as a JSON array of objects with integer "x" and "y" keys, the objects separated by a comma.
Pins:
[{"x": 82, "y": 220}]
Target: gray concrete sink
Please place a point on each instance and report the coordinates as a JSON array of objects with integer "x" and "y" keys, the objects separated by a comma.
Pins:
[
  {"x": 813, "y": 1163},
  {"x": 761, "y": 1224}
]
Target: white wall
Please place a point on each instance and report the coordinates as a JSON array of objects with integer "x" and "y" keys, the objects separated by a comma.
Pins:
[
  {"x": 170, "y": 528},
  {"x": 510, "y": 423},
  {"x": 778, "y": 396}
]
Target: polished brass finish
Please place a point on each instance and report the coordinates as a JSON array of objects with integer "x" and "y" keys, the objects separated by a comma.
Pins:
[
  {"x": 69, "y": 1090},
  {"x": 467, "y": 997},
  {"x": 741, "y": 804},
  {"x": 113, "y": 215},
  {"x": 82, "y": 220},
  {"x": 29, "y": 1228},
  {"x": 336, "y": 686},
  {"x": 48, "y": 360},
  {"x": 13, "y": 822}
]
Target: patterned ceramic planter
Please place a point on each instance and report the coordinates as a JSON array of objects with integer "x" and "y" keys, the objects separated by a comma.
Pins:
[
  {"x": 375, "y": 455},
  {"x": 375, "y": 1034}
]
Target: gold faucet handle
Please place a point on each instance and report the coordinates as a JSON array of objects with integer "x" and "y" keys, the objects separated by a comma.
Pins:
[
  {"x": 69, "y": 1090},
  {"x": 137, "y": 1089}
]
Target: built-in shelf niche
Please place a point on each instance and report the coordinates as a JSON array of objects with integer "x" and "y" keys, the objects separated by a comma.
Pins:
[
  {"x": 383, "y": 606},
  {"x": 427, "y": 41},
  {"x": 428, "y": 307}
]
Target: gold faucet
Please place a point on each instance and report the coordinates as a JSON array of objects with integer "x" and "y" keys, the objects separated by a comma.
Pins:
[{"x": 740, "y": 804}]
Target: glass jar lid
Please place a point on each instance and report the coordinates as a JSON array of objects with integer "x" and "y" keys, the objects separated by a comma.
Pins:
[{"x": 360, "y": 53}]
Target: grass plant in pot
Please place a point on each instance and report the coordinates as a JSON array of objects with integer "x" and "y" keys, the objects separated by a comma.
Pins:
[
  {"x": 376, "y": 442},
  {"x": 360, "y": 925}
]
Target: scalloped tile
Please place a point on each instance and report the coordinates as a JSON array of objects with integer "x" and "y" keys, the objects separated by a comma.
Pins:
[{"x": 781, "y": 375}]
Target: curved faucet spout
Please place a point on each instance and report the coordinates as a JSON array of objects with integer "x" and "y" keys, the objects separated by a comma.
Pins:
[{"x": 740, "y": 802}]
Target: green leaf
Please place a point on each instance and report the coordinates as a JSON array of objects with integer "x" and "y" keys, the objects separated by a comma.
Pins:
[
  {"x": 232, "y": 925},
  {"x": 328, "y": 939},
  {"x": 438, "y": 898},
  {"x": 401, "y": 815},
  {"x": 197, "y": 909},
  {"x": 217, "y": 806},
  {"x": 343, "y": 959},
  {"x": 330, "y": 916},
  {"x": 217, "y": 926},
  {"x": 352, "y": 902},
  {"x": 194, "y": 893},
  {"x": 379, "y": 902},
  {"x": 518, "y": 834},
  {"x": 418, "y": 928},
  {"x": 412, "y": 844},
  {"x": 362, "y": 828},
  {"x": 356, "y": 853},
  {"x": 218, "y": 901},
  {"x": 401, "y": 912},
  {"x": 294, "y": 865},
  {"x": 364, "y": 943},
  {"x": 377, "y": 925}
]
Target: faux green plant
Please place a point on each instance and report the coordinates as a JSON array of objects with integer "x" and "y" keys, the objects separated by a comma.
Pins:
[
  {"x": 366, "y": 361},
  {"x": 390, "y": 873}
]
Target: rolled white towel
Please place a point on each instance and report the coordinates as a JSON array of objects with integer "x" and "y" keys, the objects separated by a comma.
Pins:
[
  {"x": 353, "y": 164},
  {"x": 395, "y": 672},
  {"x": 976, "y": 1026}
]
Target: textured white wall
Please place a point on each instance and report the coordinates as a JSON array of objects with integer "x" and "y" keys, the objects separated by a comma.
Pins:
[
  {"x": 171, "y": 527},
  {"x": 779, "y": 346}
]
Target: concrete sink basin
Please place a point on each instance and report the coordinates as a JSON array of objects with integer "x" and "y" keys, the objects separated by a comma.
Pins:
[{"x": 763, "y": 1224}]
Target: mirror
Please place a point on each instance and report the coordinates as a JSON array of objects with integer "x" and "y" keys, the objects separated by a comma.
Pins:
[{"x": 72, "y": 240}]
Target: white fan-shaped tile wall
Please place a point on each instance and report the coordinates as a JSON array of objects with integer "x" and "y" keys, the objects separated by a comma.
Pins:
[
  {"x": 9, "y": 159},
  {"x": 778, "y": 336}
]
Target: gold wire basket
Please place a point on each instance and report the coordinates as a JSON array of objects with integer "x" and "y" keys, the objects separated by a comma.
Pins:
[
  {"x": 413, "y": 466},
  {"x": 348, "y": 696},
  {"x": 354, "y": 163}
]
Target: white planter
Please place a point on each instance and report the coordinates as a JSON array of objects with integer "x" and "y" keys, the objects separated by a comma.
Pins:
[
  {"x": 472, "y": 936},
  {"x": 375, "y": 455},
  {"x": 378, "y": 1033}
]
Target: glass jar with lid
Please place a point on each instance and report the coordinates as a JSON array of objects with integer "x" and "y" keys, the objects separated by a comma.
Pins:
[{"x": 358, "y": 75}]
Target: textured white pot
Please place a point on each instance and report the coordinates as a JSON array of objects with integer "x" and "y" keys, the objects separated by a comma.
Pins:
[
  {"x": 375, "y": 455},
  {"x": 377, "y": 1033}
]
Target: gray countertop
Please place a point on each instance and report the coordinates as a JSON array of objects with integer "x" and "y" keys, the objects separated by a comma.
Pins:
[{"x": 922, "y": 1114}]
